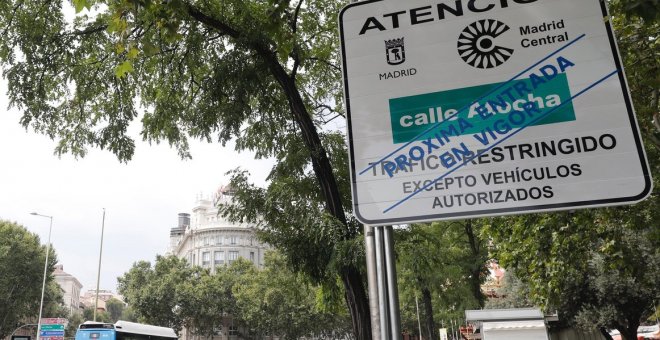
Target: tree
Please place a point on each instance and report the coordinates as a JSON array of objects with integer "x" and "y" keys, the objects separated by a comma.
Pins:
[
  {"x": 596, "y": 267},
  {"x": 512, "y": 294},
  {"x": 154, "y": 293},
  {"x": 174, "y": 294},
  {"x": 264, "y": 73},
  {"x": 22, "y": 260},
  {"x": 475, "y": 257},
  {"x": 205, "y": 300},
  {"x": 75, "y": 319},
  {"x": 637, "y": 23},
  {"x": 270, "y": 301},
  {"x": 599, "y": 267},
  {"x": 101, "y": 316},
  {"x": 420, "y": 265},
  {"x": 280, "y": 302},
  {"x": 648, "y": 10},
  {"x": 115, "y": 308},
  {"x": 440, "y": 263},
  {"x": 128, "y": 314}
]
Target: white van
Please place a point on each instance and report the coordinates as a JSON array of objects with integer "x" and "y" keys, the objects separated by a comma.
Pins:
[{"x": 509, "y": 324}]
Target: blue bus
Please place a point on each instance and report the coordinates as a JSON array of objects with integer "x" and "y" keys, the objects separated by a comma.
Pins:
[{"x": 123, "y": 330}]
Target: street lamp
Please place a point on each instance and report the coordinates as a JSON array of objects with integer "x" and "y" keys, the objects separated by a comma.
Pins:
[
  {"x": 43, "y": 286},
  {"x": 98, "y": 273}
]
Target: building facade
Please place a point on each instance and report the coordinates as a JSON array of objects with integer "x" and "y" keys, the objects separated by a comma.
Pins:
[
  {"x": 71, "y": 287},
  {"x": 88, "y": 299},
  {"x": 207, "y": 240}
]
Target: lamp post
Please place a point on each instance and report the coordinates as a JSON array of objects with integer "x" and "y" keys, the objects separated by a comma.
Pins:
[
  {"x": 43, "y": 286},
  {"x": 98, "y": 273}
]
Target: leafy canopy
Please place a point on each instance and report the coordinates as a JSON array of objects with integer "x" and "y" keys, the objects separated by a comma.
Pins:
[
  {"x": 274, "y": 300},
  {"x": 22, "y": 260},
  {"x": 260, "y": 72},
  {"x": 187, "y": 68}
]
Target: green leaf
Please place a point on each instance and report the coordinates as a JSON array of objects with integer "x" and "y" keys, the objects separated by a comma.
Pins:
[
  {"x": 149, "y": 48},
  {"x": 123, "y": 68},
  {"x": 80, "y": 5},
  {"x": 119, "y": 48},
  {"x": 132, "y": 53}
]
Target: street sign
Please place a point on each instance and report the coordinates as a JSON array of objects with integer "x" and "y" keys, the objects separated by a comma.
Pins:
[
  {"x": 52, "y": 328},
  {"x": 52, "y": 333},
  {"x": 463, "y": 109},
  {"x": 53, "y": 337},
  {"x": 50, "y": 321},
  {"x": 47, "y": 327}
]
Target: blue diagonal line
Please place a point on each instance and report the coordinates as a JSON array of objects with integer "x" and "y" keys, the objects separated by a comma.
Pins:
[
  {"x": 472, "y": 103},
  {"x": 466, "y": 161}
]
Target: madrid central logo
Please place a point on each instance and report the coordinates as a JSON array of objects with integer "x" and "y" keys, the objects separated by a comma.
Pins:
[{"x": 476, "y": 44}]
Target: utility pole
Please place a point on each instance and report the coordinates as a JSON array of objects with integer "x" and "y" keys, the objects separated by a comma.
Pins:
[{"x": 98, "y": 273}]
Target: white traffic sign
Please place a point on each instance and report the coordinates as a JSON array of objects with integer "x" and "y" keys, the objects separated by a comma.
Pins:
[
  {"x": 477, "y": 108},
  {"x": 53, "y": 321}
]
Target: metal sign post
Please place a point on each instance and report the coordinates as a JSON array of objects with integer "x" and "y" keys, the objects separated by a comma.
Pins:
[
  {"x": 370, "y": 250},
  {"x": 383, "y": 289},
  {"x": 392, "y": 288}
]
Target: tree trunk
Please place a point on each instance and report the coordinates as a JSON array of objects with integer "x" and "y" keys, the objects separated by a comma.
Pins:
[
  {"x": 428, "y": 310},
  {"x": 358, "y": 302},
  {"x": 320, "y": 162},
  {"x": 475, "y": 271},
  {"x": 629, "y": 332},
  {"x": 355, "y": 295}
]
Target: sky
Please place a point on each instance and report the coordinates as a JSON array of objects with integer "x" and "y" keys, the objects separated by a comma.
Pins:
[{"x": 141, "y": 198}]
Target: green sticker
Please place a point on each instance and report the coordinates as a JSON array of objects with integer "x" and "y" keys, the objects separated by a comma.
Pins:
[{"x": 411, "y": 116}]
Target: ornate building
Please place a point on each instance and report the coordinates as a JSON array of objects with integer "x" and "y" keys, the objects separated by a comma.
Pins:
[{"x": 208, "y": 240}]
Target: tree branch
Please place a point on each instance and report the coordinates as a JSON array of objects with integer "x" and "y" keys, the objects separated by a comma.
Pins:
[
  {"x": 13, "y": 14},
  {"x": 294, "y": 21},
  {"x": 333, "y": 66},
  {"x": 89, "y": 30},
  {"x": 212, "y": 22},
  {"x": 296, "y": 62}
]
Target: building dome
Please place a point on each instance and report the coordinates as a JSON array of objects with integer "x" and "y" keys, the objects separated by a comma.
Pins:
[{"x": 211, "y": 240}]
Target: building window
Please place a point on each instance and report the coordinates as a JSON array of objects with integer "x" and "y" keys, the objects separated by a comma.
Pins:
[
  {"x": 233, "y": 330},
  {"x": 206, "y": 259},
  {"x": 218, "y": 239},
  {"x": 232, "y": 239},
  {"x": 219, "y": 258},
  {"x": 206, "y": 241},
  {"x": 252, "y": 256},
  {"x": 233, "y": 256},
  {"x": 193, "y": 260}
]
